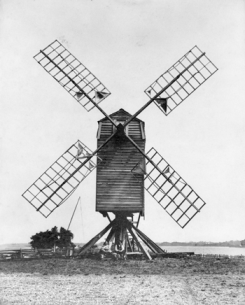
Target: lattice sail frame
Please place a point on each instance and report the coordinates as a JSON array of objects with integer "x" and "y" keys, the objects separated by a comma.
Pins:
[
  {"x": 167, "y": 187},
  {"x": 72, "y": 75},
  {"x": 186, "y": 84},
  {"x": 52, "y": 179}
]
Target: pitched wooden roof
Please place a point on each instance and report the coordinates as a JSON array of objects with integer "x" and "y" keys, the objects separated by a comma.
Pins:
[{"x": 121, "y": 114}]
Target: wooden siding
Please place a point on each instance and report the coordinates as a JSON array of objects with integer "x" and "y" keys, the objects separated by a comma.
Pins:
[
  {"x": 106, "y": 128},
  {"x": 134, "y": 130},
  {"x": 117, "y": 188}
]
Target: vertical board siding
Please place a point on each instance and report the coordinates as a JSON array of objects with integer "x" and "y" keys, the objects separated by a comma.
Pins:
[{"x": 117, "y": 188}]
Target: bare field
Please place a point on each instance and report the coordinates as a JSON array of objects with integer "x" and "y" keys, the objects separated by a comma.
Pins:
[{"x": 193, "y": 280}]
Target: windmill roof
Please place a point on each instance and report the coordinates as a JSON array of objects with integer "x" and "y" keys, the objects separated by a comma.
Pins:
[{"x": 122, "y": 114}]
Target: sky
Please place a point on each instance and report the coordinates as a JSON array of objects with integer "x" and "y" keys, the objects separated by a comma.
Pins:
[{"x": 127, "y": 45}]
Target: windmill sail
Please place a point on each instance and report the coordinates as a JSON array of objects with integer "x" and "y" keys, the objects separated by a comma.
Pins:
[
  {"x": 193, "y": 69},
  {"x": 167, "y": 187},
  {"x": 60, "y": 180},
  {"x": 72, "y": 75}
]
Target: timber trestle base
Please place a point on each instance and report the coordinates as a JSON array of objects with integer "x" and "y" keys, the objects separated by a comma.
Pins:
[{"x": 124, "y": 239}]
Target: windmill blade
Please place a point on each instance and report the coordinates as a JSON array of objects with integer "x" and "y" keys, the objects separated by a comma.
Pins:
[
  {"x": 72, "y": 75},
  {"x": 167, "y": 187},
  {"x": 51, "y": 189},
  {"x": 193, "y": 69}
]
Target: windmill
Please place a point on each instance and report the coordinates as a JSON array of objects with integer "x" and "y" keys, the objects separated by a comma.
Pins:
[{"x": 124, "y": 168}]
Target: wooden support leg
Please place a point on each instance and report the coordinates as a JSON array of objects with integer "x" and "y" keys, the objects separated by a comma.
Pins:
[
  {"x": 129, "y": 243},
  {"x": 124, "y": 233},
  {"x": 149, "y": 241},
  {"x": 142, "y": 248},
  {"x": 148, "y": 245},
  {"x": 107, "y": 215},
  {"x": 117, "y": 235},
  {"x": 90, "y": 244},
  {"x": 138, "y": 221},
  {"x": 110, "y": 235},
  {"x": 123, "y": 243}
]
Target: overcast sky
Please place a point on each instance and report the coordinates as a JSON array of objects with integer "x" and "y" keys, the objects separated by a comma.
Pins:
[{"x": 127, "y": 45}]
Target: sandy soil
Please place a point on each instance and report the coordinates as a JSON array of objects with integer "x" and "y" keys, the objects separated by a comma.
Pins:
[{"x": 189, "y": 281}]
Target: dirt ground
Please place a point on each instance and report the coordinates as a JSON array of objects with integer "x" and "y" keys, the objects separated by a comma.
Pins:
[{"x": 191, "y": 280}]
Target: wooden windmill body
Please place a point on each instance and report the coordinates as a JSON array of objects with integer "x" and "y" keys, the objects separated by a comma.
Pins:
[
  {"x": 117, "y": 190},
  {"x": 124, "y": 168}
]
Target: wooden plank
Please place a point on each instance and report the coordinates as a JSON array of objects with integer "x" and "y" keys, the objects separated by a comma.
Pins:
[
  {"x": 108, "y": 183},
  {"x": 128, "y": 243},
  {"x": 141, "y": 246},
  {"x": 126, "y": 202},
  {"x": 115, "y": 206},
  {"x": 99, "y": 131},
  {"x": 88, "y": 245},
  {"x": 148, "y": 240},
  {"x": 123, "y": 195}
]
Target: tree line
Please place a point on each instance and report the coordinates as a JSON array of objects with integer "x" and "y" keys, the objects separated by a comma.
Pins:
[{"x": 52, "y": 238}]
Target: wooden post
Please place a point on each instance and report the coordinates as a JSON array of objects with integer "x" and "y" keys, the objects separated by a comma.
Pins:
[
  {"x": 110, "y": 235},
  {"x": 141, "y": 246},
  {"x": 148, "y": 240},
  {"x": 90, "y": 244},
  {"x": 129, "y": 243},
  {"x": 148, "y": 245}
]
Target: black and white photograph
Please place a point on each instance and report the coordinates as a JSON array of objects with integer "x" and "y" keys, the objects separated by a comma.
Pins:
[{"x": 122, "y": 144}]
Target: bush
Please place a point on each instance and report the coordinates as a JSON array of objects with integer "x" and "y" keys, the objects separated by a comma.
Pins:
[{"x": 52, "y": 238}]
